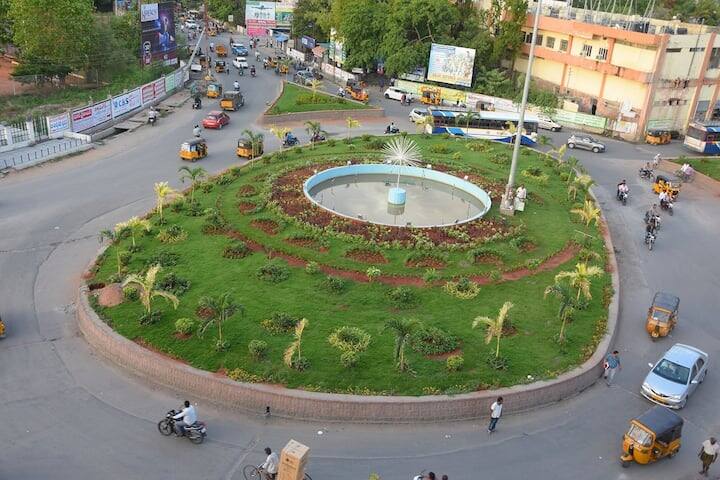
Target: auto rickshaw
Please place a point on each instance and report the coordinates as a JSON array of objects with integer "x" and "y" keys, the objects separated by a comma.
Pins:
[
  {"x": 220, "y": 66},
  {"x": 193, "y": 150},
  {"x": 662, "y": 183},
  {"x": 430, "y": 96},
  {"x": 232, "y": 100},
  {"x": 282, "y": 69},
  {"x": 662, "y": 315},
  {"x": 2, "y": 329},
  {"x": 221, "y": 51},
  {"x": 214, "y": 89},
  {"x": 212, "y": 31},
  {"x": 653, "y": 435},
  {"x": 271, "y": 62},
  {"x": 356, "y": 92},
  {"x": 203, "y": 60},
  {"x": 657, "y": 137},
  {"x": 245, "y": 149}
]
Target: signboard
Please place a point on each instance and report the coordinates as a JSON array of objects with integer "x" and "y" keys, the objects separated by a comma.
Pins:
[
  {"x": 259, "y": 17},
  {"x": 148, "y": 93},
  {"x": 121, "y": 104},
  {"x": 284, "y": 14},
  {"x": 92, "y": 116},
  {"x": 170, "y": 82},
  {"x": 308, "y": 42},
  {"x": 58, "y": 123},
  {"x": 661, "y": 124},
  {"x": 159, "y": 86},
  {"x": 450, "y": 64},
  {"x": 231, "y": 18},
  {"x": 158, "y": 34},
  {"x": 563, "y": 116},
  {"x": 179, "y": 78},
  {"x": 121, "y": 7}
]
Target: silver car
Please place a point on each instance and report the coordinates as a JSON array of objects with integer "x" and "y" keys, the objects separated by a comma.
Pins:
[
  {"x": 675, "y": 376},
  {"x": 585, "y": 142}
]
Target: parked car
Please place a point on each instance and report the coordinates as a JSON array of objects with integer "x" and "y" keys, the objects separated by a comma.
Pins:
[
  {"x": 304, "y": 77},
  {"x": 675, "y": 376},
  {"x": 418, "y": 115},
  {"x": 395, "y": 93},
  {"x": 585, "y": 142},
  {"x": 191, "y": 24},
  {"x": 240, "y": 62},
  {"x": 547, "y": 123},
  {"x": 195, "y": 67},
  {"x": 216, "y": 119}
]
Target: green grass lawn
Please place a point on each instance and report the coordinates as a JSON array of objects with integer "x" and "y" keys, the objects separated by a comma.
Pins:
[
  {"x": 709, "y": 166},
  {"x": 288, "y": 101},
  {"x": 531, "y": 350}
]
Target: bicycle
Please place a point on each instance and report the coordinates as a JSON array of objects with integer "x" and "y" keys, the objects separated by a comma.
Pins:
[{"x": 255, "y": 472}]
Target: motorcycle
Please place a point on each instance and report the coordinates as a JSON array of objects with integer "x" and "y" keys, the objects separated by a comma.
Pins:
[
  {"x": 317, "y": 138},
  {"x": 666, "y": 205},
  {"x": 252, "y": 71},
  {"x": 197, "y": 104},
  {"x": 655, "y": 219},
  {"x": 391, "y": 129},
  {"x": 623, "y": 197},
  {"x": 241, "y": 71},
  {"x": 196, "y": 433},
  {"x": 290, "y": 141},
  {"x": 650, "y": 240},
  {"x": 647, "y": 174},
  {"x": 152, "y": 120}
]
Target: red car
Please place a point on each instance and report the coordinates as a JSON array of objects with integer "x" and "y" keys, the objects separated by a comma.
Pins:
[{"x": 216, "y": 119}]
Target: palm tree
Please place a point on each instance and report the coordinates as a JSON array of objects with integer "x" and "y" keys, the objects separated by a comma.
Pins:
[
  {"x": 313, "y": 129},
  {"x": 113, "y": 235},
  {"x": 402, "y": 328},
  {"x": 315, "y": 84},
  {"x": 494, "y": 325},
  {"x": 546, "y": 141},
  {"x": 559, "y": 153},
  {"x": 293, "y": 349},
  {"x": 146, "y": 288},
  {"x": 580, "y": 279},
  {"x": 135, "y": 226},
  {"x": 162, "y": 191},
  {"x": 573, "y": 165},
  {"x": 351, "y": 123},
  {"x": 279, "y": 132},
  {"x": 581, "y": 183},
  {"x": 194, "y": 175},
  {"x": 562, "y": 292},
  {"x": 219, "y": 309},
  {"x": 589, "y": 213},
  {"x": 256, "y": 141},
  {"x": 465, "y": 118}
]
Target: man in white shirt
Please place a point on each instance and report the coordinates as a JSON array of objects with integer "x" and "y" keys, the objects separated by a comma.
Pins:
[
  {"x": 495, "y": 414},
  {"x": 188, "y": 417},
  {"x": 708, "y": 454},
  {"x": 270, "y": 467},
  {"x": 520, "y": 197}
]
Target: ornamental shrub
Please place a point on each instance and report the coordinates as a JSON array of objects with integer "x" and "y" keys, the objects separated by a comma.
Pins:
[
  {"x": 237, "y": 249},
  {"x": 432, "y": 341},
  {"x": 164, "y": 259},
  {"x": 403, "y": 297},
  {"x": 258, "y": 349},
  {"x": 130, "y": 293},
  {"x": 440, "y": 148},
  {"x": 454, "y": 363},
  {"x": 279, "y": 323},
  {"x": 350, "y": 338},
  {"x": 184, "y": 326},
  {"x": 464, "y": 288},
  {"x": 174, "y": 284},
  {"x": 335, "y": 284},
  {"x": 312, "y": 268},
  {"x": 172, "y": 234},
  {"x": 373, "y": 273},
  {"x": 275, "y": 271},
  {"x": 349, "y": 358}
]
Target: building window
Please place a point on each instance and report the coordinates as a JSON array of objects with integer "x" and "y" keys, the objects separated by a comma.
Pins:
[
  {"x": 697, "y": 49},
  {"x": 538, "y": 40},
  {"x": 587, "y": 50},
  {"x": 602, "y": 53},
  {"x": 528, "y": 37},
  {"x": 673, "y": 50},
  {"x": 550, "y": 42},
  {"x": 714, "y": 58},
  {"x": 563, "y": 45}
]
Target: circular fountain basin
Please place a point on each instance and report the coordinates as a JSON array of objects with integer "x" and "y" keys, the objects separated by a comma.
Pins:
[{"x": 365, "y": 192}]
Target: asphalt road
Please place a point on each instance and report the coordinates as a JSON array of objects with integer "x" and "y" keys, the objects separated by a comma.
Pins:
[{"x": 68, "y": 414}]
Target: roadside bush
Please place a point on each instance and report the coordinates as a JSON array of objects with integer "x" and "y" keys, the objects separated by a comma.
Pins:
[
  {"x": 280, "y": 323},
  {"x": 330, "y": 142},
  {"x": 457, "y": 156},
  {"x": 464, "y": 289},
  {"x": 174, "y": 284},
  {"x": 237, "y": 249},
  {"x": 478, "y": 146},
  {"x": 124, "y": 257},
  {"x": 164, "y": 259},
  {"x": 439, "y": 148},
  {"x": 258, "y": 349},
  {"x": 172, "y": 234},
  {"x": 376, "y": 144},
  {"x": 454, "y": 363},
  {"x": 500, "y": 158},
  {"x": 224, "y": 179},
  {"x": 275, "y": 271},
  {"x": 366, "y": 138},
  {"x": 335, "y": 284},
  {"x": 184, "y": 326},
  {"x": 130, "y": 293},
  {"x": 349, "y": 358},
  {"x": 403, "y": 297},
  {"x": 431, "y": 275},
  {"x": 350, "y": 339},
  {"x": 312, "y": 268},
  {"x": 373, "y": 273},
  {"x": 214, "y": 221},
  {"x": 433, "y": 341},
  {"x": 150, "y": 318}
]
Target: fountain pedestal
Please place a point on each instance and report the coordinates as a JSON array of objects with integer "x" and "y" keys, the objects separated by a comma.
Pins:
[{"x": 396, "y": 196}]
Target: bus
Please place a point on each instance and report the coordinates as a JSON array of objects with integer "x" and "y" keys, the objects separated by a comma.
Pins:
[
  {"x": 703, "y": 138},
  {"x": 483, "y": 124}
]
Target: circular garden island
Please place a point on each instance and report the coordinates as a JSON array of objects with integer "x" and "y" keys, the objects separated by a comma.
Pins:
[{"x": 244, "y": 275}]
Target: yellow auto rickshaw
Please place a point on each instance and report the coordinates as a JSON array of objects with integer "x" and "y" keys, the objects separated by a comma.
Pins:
[
  {"x": 245, "y": 148},
  {"x": 214, "y": 90},
  {"x": 430, "y": 96},
  {"x": 662, "y": 183},
  {"x": 282, "y": 69},
  {"x": 657, "y": 137},
  {"x": 221, "y": 51},
  {"x": 220, "y": 66},
  {"x": 203, "y": 60},
  {"x": 193, "y": 150},
  {"x": 272, "y": 62},
  {"x": 653, "y": 435},
  {"x": 232, "y": 100},
  {"x": 356, "y": 91},
  {"x": 2, "y": 329},
  {"x": 662, "y": 315}
]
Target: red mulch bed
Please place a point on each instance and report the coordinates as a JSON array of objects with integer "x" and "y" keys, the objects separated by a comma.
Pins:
[
  {"x": 527, "y": 247},
  {"x": 247, "y": 191},
  {"x": 268, "y": 226},
  {"x": 444, "y": 356},
  {"x": 306, "y": 243},
  {"x": 366, "y": 256},
  {"x": 425, "y": 262},
  {"x": 489, "y": 259},
  {"x": 564, "y": 255},
  {"x": 182, "y": 336},
  {"x": 245, "y": 207},
  {"x": 203, "y": 313}
]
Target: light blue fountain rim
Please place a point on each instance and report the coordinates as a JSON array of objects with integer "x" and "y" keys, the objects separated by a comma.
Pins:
[{"x": 407, "y": 171}]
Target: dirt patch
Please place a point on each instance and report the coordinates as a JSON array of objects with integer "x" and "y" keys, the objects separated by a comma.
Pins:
[
  {"x": 221, "y": 372},
  {"x": 110, "y": 296},
  {"x": 310, "y": 243},
  {"x": 444, "y": 356},
  {"x": 425, "y": 262},
  {"x": 143, "y": 343},
  {"x": 564, "y": 255},
  {"x": 489, "y": 259},
  {"x": 247, "y": 191},
  {"x": 182, "y": 336},
  {"x": 245, "y": 207},
  {"x": 204, "y": 313},
  {"x": 268, "y": 226},
  {"x": 527, "y": 246},
  {"x": 366, "y": 256}
]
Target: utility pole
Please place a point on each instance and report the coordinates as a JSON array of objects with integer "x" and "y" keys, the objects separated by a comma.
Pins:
[
  {"x": 207, "y": 37},
  {"x": 507, "y": 206}
]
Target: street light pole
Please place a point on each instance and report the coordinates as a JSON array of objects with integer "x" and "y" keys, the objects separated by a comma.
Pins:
[{"x": 506, "y": 205}]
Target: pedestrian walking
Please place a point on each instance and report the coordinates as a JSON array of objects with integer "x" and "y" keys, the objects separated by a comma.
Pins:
[
  {"x": 612, "y": 365},
  {"x": 495, "y": 413},
  {"x": 708, "y": 454},
  {"x": 382, "y": 82}
]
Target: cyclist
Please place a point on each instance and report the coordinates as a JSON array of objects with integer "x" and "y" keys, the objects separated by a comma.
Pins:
[{"x": 270, "y": 467}]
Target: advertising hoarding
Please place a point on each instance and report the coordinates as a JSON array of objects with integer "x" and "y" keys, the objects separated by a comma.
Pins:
[
  {"x": 308, "y": 42},
  {"x": 121, "y": 104},
  {"x": 451, "y": 65},
  {"x": 158, "y": 33},
  {"x": 148, "y": 93},
  {"x": 259, "y": 17},
  {"x": 88, "y": 117},
  {"x": 58, "y": 123},
  {"x": 284, "y": 14}
]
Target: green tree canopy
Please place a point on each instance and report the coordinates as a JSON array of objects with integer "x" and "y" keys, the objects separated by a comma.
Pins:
[
  {"x": 311, "y": 18},
  {"x": 361, "y": 25}
]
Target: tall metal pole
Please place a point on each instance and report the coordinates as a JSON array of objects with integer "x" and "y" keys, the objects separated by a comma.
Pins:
[{"x": 506, "y": 205}]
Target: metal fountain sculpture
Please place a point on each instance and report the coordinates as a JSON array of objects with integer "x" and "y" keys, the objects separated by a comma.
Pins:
[{"x": 401, "y": 151}]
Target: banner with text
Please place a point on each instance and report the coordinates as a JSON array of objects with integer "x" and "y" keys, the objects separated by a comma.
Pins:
[
  {"x": 158, "y": 33},
  {"x": 284, "y": 13},
  {"x": 450, "y": 64},
  {"x": 88, "y": 117},
  {"x": 122, "y": 104},
  {"x": 58, "y": 124},
  {"x": 259, "y": 17}
]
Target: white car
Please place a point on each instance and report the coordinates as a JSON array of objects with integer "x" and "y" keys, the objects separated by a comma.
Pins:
[
  {"x": 240, "y": 62},
  {"x": 395, "y": 93},
  {"x": 548, "y": 123},
  {"x": 191, "y": 24},
  {"x": 418, "y": 115},
  {"x": 195, "y": 67}
]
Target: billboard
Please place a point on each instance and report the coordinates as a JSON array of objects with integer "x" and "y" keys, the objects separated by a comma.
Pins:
[
  {"x": 158, "y": 33},
  {"x": 58, "y": 124},
  {"x": 121, "y": 104},
  {"x": 284, "y": 13},
  {"x": 88, "y": 117},
  {"x": 450, "y": 64},
  {"x": 259, "y": 17}
]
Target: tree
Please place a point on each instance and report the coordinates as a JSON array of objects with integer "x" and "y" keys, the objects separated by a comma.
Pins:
[
  {"x": 219, "y": 309},
  {"x": 562, "y": 292},
  {"x": 311, "y": 18},
  {"x": 293, "y": 355},
  {"x": 6, "y": 34},
  {"x": 280, "y": 132},
  {"x": 195, "y": 175},
  {"x": 508, "y": 18},
  {"x": 113, "y": 236},
  {"x": 494, "y": 82},
  {"x": 426, "y": 121},
  {"x": 494, "y": 326},
  {"x": 315, "y": 84},
  {"x": 465, "y": 118},
  {"x": 135, "y": 226},
  {"x": 360, "y": 24},
  {"x": 220, "y": 9},
  {"x": 580, "y": 184},
  {"x": 255, "y": 140},
  {"x": 313, "y": 129},
  {"x": 162, "y": 191},
  {"x": 351, "y": 123},
  {"x": 580, "y": 278},
  {"x": 146, "y": 288},
  {"x": 402, "y": 328},
  {"x": 589, "y": 213}
]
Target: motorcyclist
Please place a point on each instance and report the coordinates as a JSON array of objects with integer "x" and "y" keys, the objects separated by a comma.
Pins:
[
  {"x": 665, "y": 199},
  {"x": 622, "y": 188},
  {"x": 212, "y": 46},
  {"x": 647, "y": 170},
  {"x": 152, "y": 115},
  {"x": 656, "y": 160},
  {"x": 236, "y": 85},
  {"x": 252, "y": 70},
  {"x": 196, "y": 130},
  {"x": 197, "y": 102},
  {"x": 188, "y": 417},
  {"x": 391, "y": 128},
  {"x": 257, "y": 56},
  {"x": 341, "y": 92}
]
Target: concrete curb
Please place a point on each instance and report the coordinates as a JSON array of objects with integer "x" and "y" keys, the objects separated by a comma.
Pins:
[{"x": 305, "y": 405}]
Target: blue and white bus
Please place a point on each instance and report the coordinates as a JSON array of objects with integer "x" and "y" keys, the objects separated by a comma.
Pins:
[
  {"x": 485, "y": 125},
  {"x": 703, "y": 138}
]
